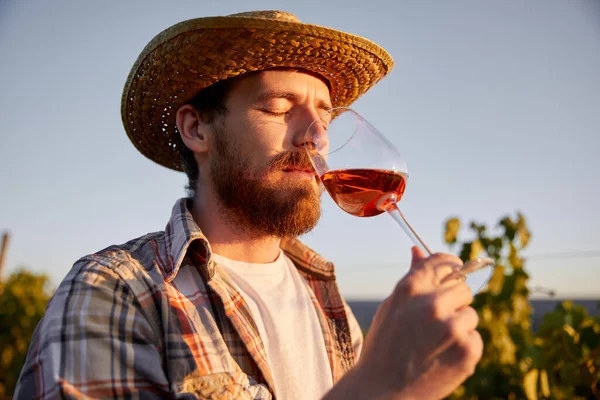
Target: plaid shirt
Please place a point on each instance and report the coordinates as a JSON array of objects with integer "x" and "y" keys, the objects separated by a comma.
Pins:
[{"x": 157, "y": 318}]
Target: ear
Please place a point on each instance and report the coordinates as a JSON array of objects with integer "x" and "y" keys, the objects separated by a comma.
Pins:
[{"x": 195, "y": 131}]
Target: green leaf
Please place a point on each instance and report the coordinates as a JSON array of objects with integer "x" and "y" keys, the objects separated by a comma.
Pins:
[
  {"x": 476, "y": 249},
  {"x": 570, "y": 331},
  {"x": 510, "y": 229},
  {"x": 514, "y": 259},
  {"x": 544, "y": 384},
  {"x": 522, "y": 231},
  {"x": 551, "y": 322},
  {"x": 465, "y": 253},
  {"x": 451, "y": 232},
  {"x": 530, "y": 384},
  {"x": 590, "y": 335},
  {"x": 479, "y": 229},
  {"x": 497, "y": 280}
]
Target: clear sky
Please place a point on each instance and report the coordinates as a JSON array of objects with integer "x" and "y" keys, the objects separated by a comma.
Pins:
[{"x": 495, "y": 105}]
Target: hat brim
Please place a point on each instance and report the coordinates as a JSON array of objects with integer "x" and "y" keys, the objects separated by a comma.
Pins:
[{"x": 192, "y": 55}]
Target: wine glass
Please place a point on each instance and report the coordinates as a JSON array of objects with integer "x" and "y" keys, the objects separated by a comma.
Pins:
[{"x": 366, "y": 176}]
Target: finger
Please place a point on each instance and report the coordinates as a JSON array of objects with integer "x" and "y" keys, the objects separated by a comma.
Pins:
[
  {"x": 451, "y": 297},
  {"x": 464, "y": 321},
  {"x": 435, "y": 261},
  {"x": 477, "y": 345},
  {"x": 428, "y": 273},
  {"x": 448, "y": 316},
  {"x": 417, "y": 255},
  {"x": 447, "y": 270},
  {"x": 425, "y": 274},
  {"x": 458, "y": 334},
  {"x": 463, "y": 355},
  {"x": 453, "y": 276}
]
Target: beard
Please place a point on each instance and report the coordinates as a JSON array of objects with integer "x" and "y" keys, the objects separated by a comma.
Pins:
[{"x": 257, "y": 204}]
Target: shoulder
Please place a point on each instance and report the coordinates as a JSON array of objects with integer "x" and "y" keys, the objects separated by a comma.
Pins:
[
  {"x": 129, "y": 269},
  {"x": 117, "y": 280},
  {"x": 136, "y": 257},
  {"x": 107, "y": 299}
]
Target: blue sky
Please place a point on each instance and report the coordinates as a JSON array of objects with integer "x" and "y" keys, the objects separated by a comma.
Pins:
[{"x": 494, "y": 105}]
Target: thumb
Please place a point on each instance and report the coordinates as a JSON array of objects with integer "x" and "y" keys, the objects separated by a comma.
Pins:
[{"x": 417, "y": 255}]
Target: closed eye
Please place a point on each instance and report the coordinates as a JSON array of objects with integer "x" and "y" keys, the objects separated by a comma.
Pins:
[{"x": 275, "y": 113}]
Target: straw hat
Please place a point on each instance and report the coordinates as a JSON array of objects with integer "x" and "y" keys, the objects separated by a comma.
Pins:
[{"x": 193, "y": 54}]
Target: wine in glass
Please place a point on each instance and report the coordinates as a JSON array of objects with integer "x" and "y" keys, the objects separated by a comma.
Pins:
[{"x": 365, "y": 175}]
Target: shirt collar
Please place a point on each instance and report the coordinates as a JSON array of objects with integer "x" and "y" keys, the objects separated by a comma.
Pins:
[{"x": 183, "y": 236}]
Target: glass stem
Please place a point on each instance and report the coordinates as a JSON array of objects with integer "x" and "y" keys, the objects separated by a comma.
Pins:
[{"x": 395, "y": 212}]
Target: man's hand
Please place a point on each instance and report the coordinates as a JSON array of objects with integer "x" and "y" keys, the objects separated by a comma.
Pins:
[{"x": 422, "y": 343}]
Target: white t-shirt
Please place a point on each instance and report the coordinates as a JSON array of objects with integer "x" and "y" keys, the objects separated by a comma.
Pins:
[{"x": 287, "y": 323}]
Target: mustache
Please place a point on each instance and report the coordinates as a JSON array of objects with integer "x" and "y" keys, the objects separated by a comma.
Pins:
[{"x": 291, "y": 160}]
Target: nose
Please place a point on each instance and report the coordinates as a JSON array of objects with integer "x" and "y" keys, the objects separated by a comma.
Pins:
[{"x": 312, "y": 132}]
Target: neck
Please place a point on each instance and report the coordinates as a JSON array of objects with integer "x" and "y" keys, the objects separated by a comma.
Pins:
[{"x": 225, "y": 234}]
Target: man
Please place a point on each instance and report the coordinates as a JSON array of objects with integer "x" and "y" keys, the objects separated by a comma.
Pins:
[{"x": 226, "y": 302}]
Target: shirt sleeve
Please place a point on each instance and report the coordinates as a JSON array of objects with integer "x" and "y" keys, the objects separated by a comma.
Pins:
[{"x": 93, "y": 342}]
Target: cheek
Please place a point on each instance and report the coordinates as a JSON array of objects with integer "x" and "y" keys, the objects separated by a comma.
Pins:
[
  {"x": 264, "y": 131},
  {"x": 261, "y": 147},
  {"x": 256, "y": 140}
]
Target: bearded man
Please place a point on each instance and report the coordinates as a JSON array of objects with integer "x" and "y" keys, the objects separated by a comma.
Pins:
[{"x": 226, "y": 302}]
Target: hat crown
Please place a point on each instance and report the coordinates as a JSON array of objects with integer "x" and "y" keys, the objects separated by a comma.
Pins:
[{"x": 268, "y": 14}]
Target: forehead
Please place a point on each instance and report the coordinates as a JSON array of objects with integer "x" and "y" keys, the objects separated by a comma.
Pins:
[{"x": 302, "y": 83}]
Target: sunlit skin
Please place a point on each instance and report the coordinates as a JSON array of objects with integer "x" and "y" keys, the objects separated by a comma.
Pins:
[{"x": 267, "y": 115}]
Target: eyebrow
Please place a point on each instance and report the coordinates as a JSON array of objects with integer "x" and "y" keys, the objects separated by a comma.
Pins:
[{"x": 325, "y": 105}]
